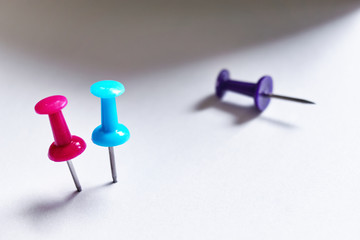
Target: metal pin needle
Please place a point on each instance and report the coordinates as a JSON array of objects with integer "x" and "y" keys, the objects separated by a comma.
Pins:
[
  {"x": 288, "y": 98},
  {"x": 74, "y": 176},
  {"x": 112, "y": 164}
]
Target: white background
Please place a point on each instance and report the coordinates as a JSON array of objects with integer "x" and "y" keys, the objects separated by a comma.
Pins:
[{"x": 195, "y": 167}]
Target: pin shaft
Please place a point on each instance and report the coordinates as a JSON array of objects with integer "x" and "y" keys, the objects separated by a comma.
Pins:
[
  {"x": 288, "y": 98},
  {"x": 112, "y": 164},
  {"x": 74, "y": 176}
]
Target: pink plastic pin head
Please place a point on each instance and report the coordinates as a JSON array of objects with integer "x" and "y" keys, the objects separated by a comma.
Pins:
[{"x": 66, "y": 146}]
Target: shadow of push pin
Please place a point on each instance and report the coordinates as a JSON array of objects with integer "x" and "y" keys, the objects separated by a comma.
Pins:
[
  {"x": 66, "y": 146},
  {"x": 261, "y": 91},
  {"x": 110, "y": 133}
]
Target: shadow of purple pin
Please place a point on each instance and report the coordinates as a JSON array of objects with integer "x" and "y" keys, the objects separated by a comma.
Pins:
[{"x": 261, "y": 91}]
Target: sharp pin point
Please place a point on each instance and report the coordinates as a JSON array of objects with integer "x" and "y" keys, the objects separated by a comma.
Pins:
[
  {"x": 288, "y": 98},
  {"x": 74, "y": 175},
  {"x": 112, "y": 164}
]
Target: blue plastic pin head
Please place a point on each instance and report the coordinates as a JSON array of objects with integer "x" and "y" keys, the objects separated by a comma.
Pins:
[
  {"x": 261, "y": 92},
  {"x": 110, "y": 133}
]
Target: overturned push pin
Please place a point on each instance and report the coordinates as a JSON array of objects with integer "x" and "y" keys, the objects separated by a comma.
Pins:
[
  {"x": 261, "y": 91},
  {"x": 66, "y": 146},
  {"x": 110, "y": 133}
]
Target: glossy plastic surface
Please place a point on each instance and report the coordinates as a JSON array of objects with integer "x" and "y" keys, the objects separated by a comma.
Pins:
[
  {"x": 110, "y": 133},
  {"x": 67, "y": 152},
  {"x": 65, "y": 146},
  {"x": 107, "y": 89},
  {"x": 51, "y": 104},
  {"x": 221, "y": 80},
  {"x": 264, "y": 86},
  {"x": 254, "y": 90}
]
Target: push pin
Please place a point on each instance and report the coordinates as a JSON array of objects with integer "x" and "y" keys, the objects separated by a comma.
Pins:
[
  {"x": 260, "y": 91},
  {"x": 110, "y": 133},
  {"x": 66, "y": 146}
]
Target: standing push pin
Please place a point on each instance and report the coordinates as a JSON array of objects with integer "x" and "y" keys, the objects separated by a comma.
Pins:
[
  {"x": 110, "y": 133},
  {"x": 66, "y": 146},
  {"x": 261, "y": 91}
]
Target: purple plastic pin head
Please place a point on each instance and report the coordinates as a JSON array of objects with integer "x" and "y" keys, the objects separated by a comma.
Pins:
[{"x": 258, "y": 91}]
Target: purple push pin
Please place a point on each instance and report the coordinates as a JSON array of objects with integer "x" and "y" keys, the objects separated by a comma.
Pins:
[{"x": 260, "y": 91}]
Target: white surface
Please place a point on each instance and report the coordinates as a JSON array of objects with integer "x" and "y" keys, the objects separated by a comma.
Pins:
[{"x": 195, "y": 168}]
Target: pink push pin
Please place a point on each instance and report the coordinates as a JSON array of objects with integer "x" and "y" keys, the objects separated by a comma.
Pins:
[{"x": 66, "y": 146}]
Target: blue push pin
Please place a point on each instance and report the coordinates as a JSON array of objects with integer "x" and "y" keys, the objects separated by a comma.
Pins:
[
  {"x": 261, "y": 91},
  {"x": 110, "y": 133}
]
